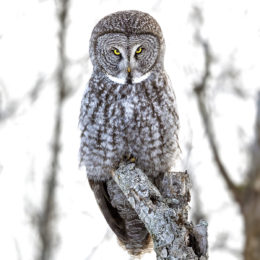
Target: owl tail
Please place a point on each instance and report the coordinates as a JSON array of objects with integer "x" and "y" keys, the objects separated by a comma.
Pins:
[
  {"x": 121, "y": 217},
  {"x": 138, "y": 240}
]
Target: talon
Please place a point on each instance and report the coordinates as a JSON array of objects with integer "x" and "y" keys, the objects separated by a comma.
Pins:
[{"x": 132, "y": 160}]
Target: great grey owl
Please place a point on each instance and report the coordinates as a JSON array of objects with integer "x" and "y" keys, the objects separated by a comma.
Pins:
[{"x": 128, "y": 111}]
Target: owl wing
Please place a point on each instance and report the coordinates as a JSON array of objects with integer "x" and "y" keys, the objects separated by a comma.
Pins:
[{"x": 110, "y": 213}]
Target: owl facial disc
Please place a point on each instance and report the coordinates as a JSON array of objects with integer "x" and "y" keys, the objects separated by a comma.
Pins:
[{"x": 127, "y": 59}]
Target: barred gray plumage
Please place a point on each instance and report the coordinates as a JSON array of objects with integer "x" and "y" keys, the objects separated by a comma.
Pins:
[{"x": 128, "y": 111}]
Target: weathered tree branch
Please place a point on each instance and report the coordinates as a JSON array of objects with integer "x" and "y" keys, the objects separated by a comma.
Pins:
[{"x": 165, "y": 214}]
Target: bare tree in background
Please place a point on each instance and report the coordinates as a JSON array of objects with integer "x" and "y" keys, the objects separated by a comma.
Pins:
[
  {"x": 46, "y": 218},
  {"x": 12, "y": 106},
  {"x": 246, "y": 194}
]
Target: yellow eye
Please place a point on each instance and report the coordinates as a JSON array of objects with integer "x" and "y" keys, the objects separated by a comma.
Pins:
[
  {"x": 139, "y": 50},
  {"x": 116, "y": 52}
]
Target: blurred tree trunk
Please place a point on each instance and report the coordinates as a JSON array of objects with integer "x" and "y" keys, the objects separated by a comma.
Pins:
[
  {"x": 251, "y": 213},
  {"x": 250, "y": 204},
  {"x": 47, "y": 232}
]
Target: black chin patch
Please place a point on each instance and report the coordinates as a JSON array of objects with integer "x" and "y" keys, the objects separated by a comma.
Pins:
[{"x": 129, "y": 79}]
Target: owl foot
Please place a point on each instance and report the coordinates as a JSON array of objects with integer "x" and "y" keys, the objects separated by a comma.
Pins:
[{"x": 130, "y": 159}]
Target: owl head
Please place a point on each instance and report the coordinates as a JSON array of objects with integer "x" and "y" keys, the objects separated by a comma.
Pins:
[{"x": 127, "y": 46}]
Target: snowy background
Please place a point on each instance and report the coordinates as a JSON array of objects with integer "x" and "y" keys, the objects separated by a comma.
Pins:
[{"x": 28, "y": 65}]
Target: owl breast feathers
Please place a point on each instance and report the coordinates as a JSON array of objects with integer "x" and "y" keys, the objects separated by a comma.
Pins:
[{"x": 128, "y": 110}]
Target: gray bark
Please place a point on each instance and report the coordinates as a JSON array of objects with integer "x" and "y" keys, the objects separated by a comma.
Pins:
[{"x": 164, "y": 214}]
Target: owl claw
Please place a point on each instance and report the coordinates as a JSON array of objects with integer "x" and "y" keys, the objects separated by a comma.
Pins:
[{"x": 130, "y": 159}]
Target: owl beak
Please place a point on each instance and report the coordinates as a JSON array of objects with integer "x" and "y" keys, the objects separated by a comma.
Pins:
[{"x": 128, "y": 69}]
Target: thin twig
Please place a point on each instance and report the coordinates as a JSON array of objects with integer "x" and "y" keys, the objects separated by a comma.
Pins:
[
  {"x": 13, "y": 106},
  {"x": 95, "y": 248}
]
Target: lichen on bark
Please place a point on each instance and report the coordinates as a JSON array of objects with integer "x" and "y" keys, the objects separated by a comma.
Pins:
[{"x": 164, "y": 211}]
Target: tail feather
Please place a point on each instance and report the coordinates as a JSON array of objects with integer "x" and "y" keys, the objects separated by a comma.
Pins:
[
  {"x": 121, "y": 217},
  {"x": 138, "y": 237}
]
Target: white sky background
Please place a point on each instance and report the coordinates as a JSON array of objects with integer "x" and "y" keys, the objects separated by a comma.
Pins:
[{"x": 28, "y": 48}]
